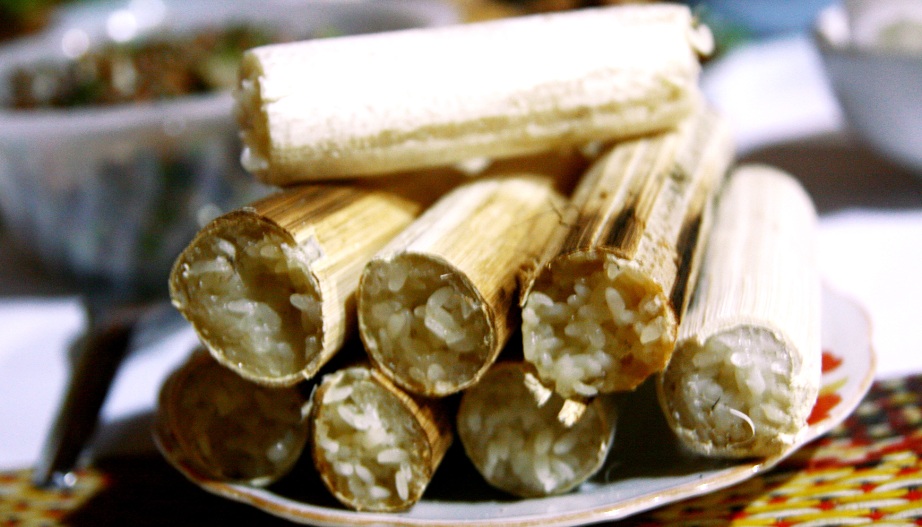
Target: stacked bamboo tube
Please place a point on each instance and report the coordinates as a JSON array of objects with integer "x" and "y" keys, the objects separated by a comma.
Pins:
[{"x": 441, "y": 191}]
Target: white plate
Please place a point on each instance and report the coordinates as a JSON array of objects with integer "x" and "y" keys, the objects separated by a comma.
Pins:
[{"x": 646, "y": 468}]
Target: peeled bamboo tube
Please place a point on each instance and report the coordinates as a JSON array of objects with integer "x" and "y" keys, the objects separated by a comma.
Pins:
[
  {"x": 518, "y": 445},
  {"x": 226, "y": 428},
  {"x": 746, "y": 370},
  {"x": 376, "y": 447},
  {"x": 438, "y": 303},
  {"x": 270, "y": 288},
  {"x": 401, "y": 100},
  {"x": 602, "y": 314}
]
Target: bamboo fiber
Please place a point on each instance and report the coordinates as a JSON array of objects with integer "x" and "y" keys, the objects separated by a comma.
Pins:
[
  {"x": 746, "y": 370},
  {"x": 518, "y": 445},
  {"x": 222, "y": 427},
  {"x": 602, "y": 314},
  {"x": 403, "y": 100},
  {"x": 438, "y": 303},
  {"x": 270, "y": 288},
  {"x": 376, "y": 447}
]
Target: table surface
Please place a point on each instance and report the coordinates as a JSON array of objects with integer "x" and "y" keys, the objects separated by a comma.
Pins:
[{"x": 776, "y": 97}]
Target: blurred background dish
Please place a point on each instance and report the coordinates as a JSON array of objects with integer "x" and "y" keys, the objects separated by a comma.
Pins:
[
  {"x": 113, "y": 142},
  {"x": 760, "y": 18},
  {"x": 872, "y": 55},
  {"x": 23, "y": 17},
  {"x": 117, "y": 142}
]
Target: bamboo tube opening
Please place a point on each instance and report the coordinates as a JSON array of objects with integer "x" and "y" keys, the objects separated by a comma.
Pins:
[
  {"x": 520, "y": 446},
  {"x": 372, "y": 450},
  {"x": 734, "y": 389},
  {"x": 592, "y": 325},
  {"x": 231, "y": 429},
  {"x": 424, "y": 323},
  {"x": 746, "y": 370},
  {"x": 250, "y": 284}
]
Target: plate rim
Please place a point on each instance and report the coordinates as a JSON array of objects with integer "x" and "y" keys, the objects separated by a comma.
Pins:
[{"x": 305, "y": 513}]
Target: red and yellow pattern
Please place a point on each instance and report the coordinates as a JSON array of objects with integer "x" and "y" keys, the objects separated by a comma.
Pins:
[
  {"x": 21, "y": 504},
  {"x": 867, "y": 470}
]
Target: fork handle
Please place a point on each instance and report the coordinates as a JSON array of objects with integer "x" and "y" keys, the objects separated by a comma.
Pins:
[{"x": 99, "y": 353}]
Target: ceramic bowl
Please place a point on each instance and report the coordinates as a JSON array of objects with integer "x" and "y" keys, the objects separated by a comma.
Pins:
[
  {"x": 113, "y": 193},
  {"x": 763, "y": 18},
  {"x": 873, "y": 62}
]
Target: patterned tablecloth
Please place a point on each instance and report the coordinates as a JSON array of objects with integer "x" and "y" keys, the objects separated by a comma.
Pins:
[{"x": 867, "y": 470}]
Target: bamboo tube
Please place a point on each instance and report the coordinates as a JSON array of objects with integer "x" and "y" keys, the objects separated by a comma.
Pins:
[
  {"x": 225, "y": 428},
  {"x": 438, "y": 303},
  {"x": 388, "y": 102},
  {"x": 602, "y": 314},
  {"x": 376, "y": 447},
  {"x": 519, "y": 446},
  {"x": 270, "y": 288},
  {"x": 746, "y": 370},
  {"x": 565, "y": 166}
]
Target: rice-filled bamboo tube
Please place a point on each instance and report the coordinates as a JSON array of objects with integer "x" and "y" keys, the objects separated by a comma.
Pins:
[
  {"x": 223, "y": 427},
  {"x": 372, "y": 104},
  {"x": 270, "y": 288},
  {"x": 518, "y": 444},
  {"x": 602, "y": 314},
  {"x": 746, "y": 370},
  {"x": 439, "y": 302},
  {"x": 376, "y": 446}
]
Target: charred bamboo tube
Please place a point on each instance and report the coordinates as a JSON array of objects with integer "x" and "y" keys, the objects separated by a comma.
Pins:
[
  {"x": 403, "y": 100},
  {"x": 746, "y": 370},
  {"x": 270, "y": 288},
  {"x": 376, "y": 447},
  {"x": 438, "y": 303},
  {"x": 602, "y": 314},
  {"x": 519, "y": 445},
  {"x": 223, "y": 427}
]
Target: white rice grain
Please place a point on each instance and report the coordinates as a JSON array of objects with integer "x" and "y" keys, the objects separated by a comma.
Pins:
[
  {"x": 587, "y": 309},
  {"x": 520, "y": 446},
  {"x": 729, "y": 394},
  {"x": 391, "y": 456},
  {"x": 248, "y": 304},
  {"x": 371, "y": 438},
  {"x": 421, "y": 325}
]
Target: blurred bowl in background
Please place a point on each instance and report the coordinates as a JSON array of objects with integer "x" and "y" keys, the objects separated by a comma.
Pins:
[
  {"x": 762, "y": 18},
  {"x": 872, "y": 54},
  {"x": 111, "y": 193}
]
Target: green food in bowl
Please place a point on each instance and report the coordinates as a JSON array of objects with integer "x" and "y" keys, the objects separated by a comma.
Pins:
[
  {"x": 108, "y": 188},
  {"x": 159, "y": 67}
]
